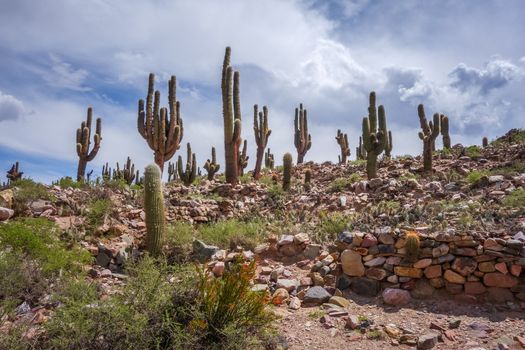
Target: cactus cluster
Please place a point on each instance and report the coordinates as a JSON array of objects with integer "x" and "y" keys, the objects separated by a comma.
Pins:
[
  {"x": 154, "y": 209},
  {"x": 287, "y": 171},
  {"x": 189, "y": 173},
  {"x": 231, "y": 113},
  {"x": 211, "y": 166},
  {"x": 342, "y": 141},
  {"x": 84, "y": 142},
  {"x": 128, "y": 173},
  {"x": 262, "y": 133},
  {"x": 302, "y": 139},
  {"x": 360, "y": 151},
  {"x": 429, "y": 132},
  {"x": 375, "y": 135},
  {"x": 162, "y": 131},
  {"x": 269, "y": 161},
  {"x": 14, "y": 173},
  {"x": 443, "y": 120}
]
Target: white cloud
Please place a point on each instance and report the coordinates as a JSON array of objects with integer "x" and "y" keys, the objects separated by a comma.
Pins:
[
  {"x": 11, "y": 108},
  {"x": 63, "y": 75}
]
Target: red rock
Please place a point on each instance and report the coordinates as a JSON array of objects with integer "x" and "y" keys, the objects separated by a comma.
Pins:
[
  {"x": 433, "y": 271},
  {"x": 464, "y": 266},
  {"x": 454, "y": 277},
  {"x": 496, "y": 279},
  {"x": 369, "y": 241},
  {"x": 394, "y": 296},
  {"x": 515, "y": 270},
  {"x": 502, "y": 267},
  {"x": 423, "y": 263},
  {"x": 486, "y": 266},
  {"x": 450, "y": 335},
  {"x": 408, "y": 272},
  {"x": 474, "y": 288}
]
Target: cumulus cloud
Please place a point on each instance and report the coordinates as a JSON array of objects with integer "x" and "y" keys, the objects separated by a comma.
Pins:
[
  {"x": 496, "y": 74},
  {"x": 10, "y": 107}
]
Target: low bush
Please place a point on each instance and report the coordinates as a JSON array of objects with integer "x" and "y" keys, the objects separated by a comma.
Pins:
[
  {"x": 97, "y": 211},
  {"x": 232, "y": 232},
  {"x": 344, "y": 183},
  {"x": 515, "y": 199}
]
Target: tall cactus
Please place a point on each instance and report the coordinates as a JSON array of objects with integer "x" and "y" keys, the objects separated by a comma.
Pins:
[
  {"x": 287, "y": 171},
  {"x": 127, "y": 173},
  {"x": 172, "y": 172},
  {"x": 163, "y": 134},
  {"x": 269, "y": 159},
  {"x": 231, "y": 112},
  {"x": 342, "y": 141},
  {"x": 83, "y": 143},
  {"x": 243, "y": 159},
  {"x": 302, "y": 139},
  {"x": 188, "y": 174},
  {"x": 444, "y": 131},
  {"x": 106, "y": 172},
  {"x": 262, "y": 133},
  {"x": 211, "y": 166},
  {"x": 484, "y": 142},
  {"x": 14, "y": 173},
  {"x": 360, "y": 150},
  {"x": 374, "y": 136},
  {"x": 308, "y": 180},
  {"x": 154, "y": 209},
  {"x": 429, "y": 132}
]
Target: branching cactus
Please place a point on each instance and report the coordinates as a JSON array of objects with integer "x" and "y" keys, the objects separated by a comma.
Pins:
[
  {"x": 14, "y": 173},
  {"x": 162, "y": 130},
  {"x": 429, "y": 132},
  {"x": 342, "y": 141},
  {"x": 106, "y": 172},
  {"x": 154, "y": 209},
  {"x": 262, "y": 133},
  {"x": 302, "y": 139},
  {"x": 211, "y": 166},
  {"x": 231, "y": 112},
  {"x": 243, "y": 158},
  {"x": 360, "y": 150},
  {"x": 188, "y": 174},
  {"x": 269, "y": 159},
  {"x": 128, "y": 173},
  {"x": 444, "y": 131},
  {"x": 287, "y": 171},
  {"x": 172, "y": 172},
  {"x": 84, "y": 142},
  {"x": 484, "y": 142},
  {"x": 375, "y": 135}
]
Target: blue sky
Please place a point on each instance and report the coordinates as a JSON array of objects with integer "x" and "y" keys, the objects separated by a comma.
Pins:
[{"x": 465, "y": 59}]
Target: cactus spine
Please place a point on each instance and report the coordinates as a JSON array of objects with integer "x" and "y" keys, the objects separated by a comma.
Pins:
[
  {"x": 287, "y": 171},
  {"x": 485, "y": 142},
  {"x": 211, "y": 166},
  {"x": 154, "y": 209},
  {"x": 14, "y": 173},
  {"x": 374, "y": 136},
  {"x": 262, "y": 133},
  {"x": 269, "y": 159},
  {"x": 444, "y": 131},
  {"x": 243, "y": 159},
  {"x": 163, "y": 134},
  {"x": 302, "y": 139},
  {"x": 188, "y": 174},
  {"x": 342, "y": 141},
  {"x": 412, "y": 246},
  {"x": 83, "y": 143},
  {"x": 430, "y": 130},
  {"x": 231, "y": 112}
]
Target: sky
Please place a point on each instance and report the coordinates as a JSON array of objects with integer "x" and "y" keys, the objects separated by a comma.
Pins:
[{"x": 465, "y": 59}]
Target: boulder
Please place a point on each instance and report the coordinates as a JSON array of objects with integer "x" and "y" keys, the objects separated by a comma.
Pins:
[
  {"x": 396, "y": 297},
  {"x": 351, "y": 263}
]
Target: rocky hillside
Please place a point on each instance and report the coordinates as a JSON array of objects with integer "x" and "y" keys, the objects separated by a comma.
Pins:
[{"x": 407, "y": 258}]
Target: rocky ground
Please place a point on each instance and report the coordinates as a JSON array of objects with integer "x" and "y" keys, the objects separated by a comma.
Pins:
[{"x": 350, "y": 289}]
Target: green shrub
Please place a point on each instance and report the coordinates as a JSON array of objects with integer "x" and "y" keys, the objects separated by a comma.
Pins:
[
  {"x": 28, "y": 191},
  {"x": 229, "y": 305},
  {"x": 232, "y": 232},
  {"x": 475, "y": 176},
  {"x": 97, "y": 211},
  {"x": 515, "y": 168},
  {"x": 66, "y": 182},
  {"x": 116, "y": 184},
  {"x": 515, "y": 199},
  {"x": 179, "y": 233},
  {"x": 473, "y": 151},
  {"x": 38, "y": 239},
  {"x": 276, "y": 192},
  {"x": 344, "y": 183},
  {"x": 330, "y": 226}
]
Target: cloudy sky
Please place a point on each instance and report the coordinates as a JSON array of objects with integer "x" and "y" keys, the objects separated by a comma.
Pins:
[{"x": 57, "y": 57}]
